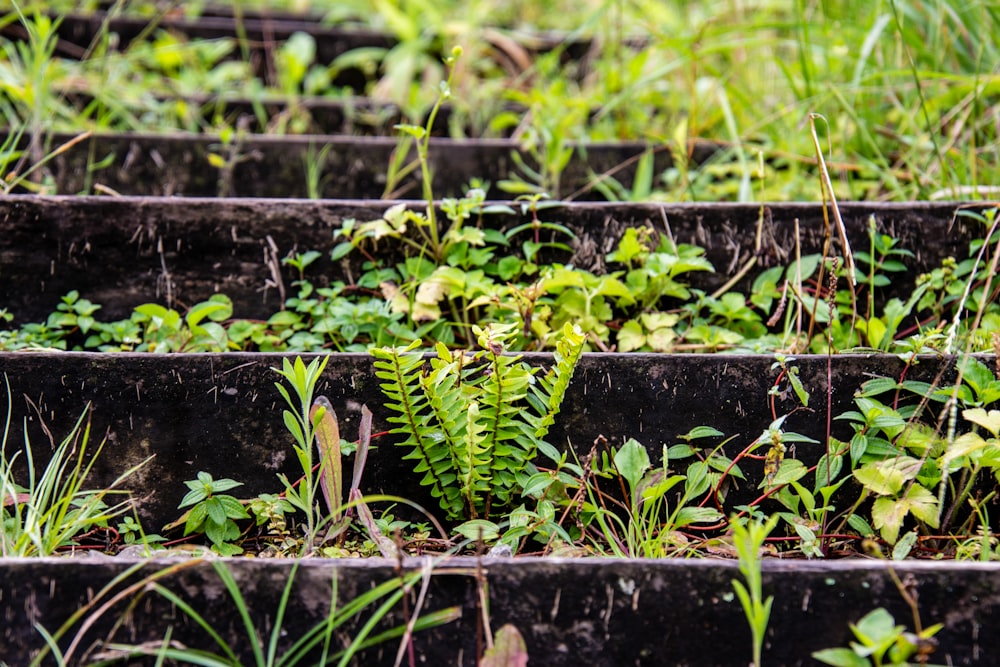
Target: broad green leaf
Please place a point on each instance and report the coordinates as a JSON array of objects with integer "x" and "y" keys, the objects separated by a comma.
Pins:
[
  {"x": 689, "y": 515},
  {"x": 875, "y": 627},
  {"x": 630, "y": 337},
  {"x": 976, "y": 374},
  {"x": 797, "y": 387},
  {"x": 234, "y": 508},
  {"x": 479, "y": 529},
  {"x": 611, "y": 286},
  {"x": 791, "y": 470},
  {"x": 888, "y": 513},
  {"x": 918, "y": 438},
  {"x": 923, "y": 505},
  {"x": 697, "y": 481},
  {"x": 216, "y": 511},
  {"x": 632, "y": 461},
  {"x": 703, "y": 432},
  {"x": 887, "y": 477},
  {"x": 904, "y": 546},
  {"x": 858, "y": 523},
  {"x": 802, "y": 269},
  {"x": 840, "y": 657},
  {"x": 655, "y": 485},
  {"x": 220, "y": 485},
  {"x": 827, "y": 470},
  {"x": 877, "y": 386},
  {"x": 680, "y": 452},
  {"x": 536, "y": 484},
  {"x": 875, "y": 330}
]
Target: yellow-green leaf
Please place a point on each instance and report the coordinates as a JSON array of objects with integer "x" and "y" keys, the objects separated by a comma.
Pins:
[
  {"x": 988, "y": 420},
  {"x": 886, "y": 478},
  {"x": 888, "y": 515},
  {"x": 963, "y": 446},
  {"x": 630, "y": 337},
  {"x": 922, "y": 504}
]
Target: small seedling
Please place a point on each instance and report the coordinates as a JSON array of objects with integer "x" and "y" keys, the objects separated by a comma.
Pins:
[
  {"x": 748, "y": 539},
  {"x": 213, "y": 512},
  {"x": 881, "y": 643}
]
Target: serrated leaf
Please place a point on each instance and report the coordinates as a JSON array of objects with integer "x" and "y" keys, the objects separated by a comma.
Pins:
[
  {"x": 887, "y": 516},
  {"x": 976, "y": 374},
  {"x": 888, "y": 513},
  {"x": 923, "y": 504},
  {"x": 918, "y": 438},
  {"x": 988, "y": 420},
  {"x": 887, "y": 477},
  {"x": 964, "y": 445}
]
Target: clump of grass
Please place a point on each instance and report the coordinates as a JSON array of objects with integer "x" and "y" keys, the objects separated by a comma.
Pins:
[{"x": 53, "y": 509}]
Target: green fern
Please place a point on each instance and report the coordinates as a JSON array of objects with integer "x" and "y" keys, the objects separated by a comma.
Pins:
[
  {"x": 473, "y": 422},
  {"x": 546, "y": 396},
  {"x": 401, "y": 372}
]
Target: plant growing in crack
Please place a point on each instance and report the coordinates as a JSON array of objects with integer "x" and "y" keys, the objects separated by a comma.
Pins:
[
  {"x": 748, "y": 538},
  {"x": 213, "y": 512},
  {"x": 880, "y": 642},
  {"x": 474, "y": 422},
  {"x": 303, "y": 422},
  {"x": 53, "y": 508},
  {"x": 652, "y": 523}
]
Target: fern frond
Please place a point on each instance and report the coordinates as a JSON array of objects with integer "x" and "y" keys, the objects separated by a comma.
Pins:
[
  {"x": 466, "y": 421},
  {"x": 400, "y": 371},
  {"x": 504, "y": 390},
  {"x": 475, "y": 463},
  {"x": 547, "y": 394},
  {"x": 447, "y": 395}
]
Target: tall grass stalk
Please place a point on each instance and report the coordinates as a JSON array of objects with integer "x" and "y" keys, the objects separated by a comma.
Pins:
[{"x": 324, "y": 643}]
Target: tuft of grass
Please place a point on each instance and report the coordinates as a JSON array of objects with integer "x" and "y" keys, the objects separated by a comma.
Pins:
[{"x": 53, "y": 508}]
